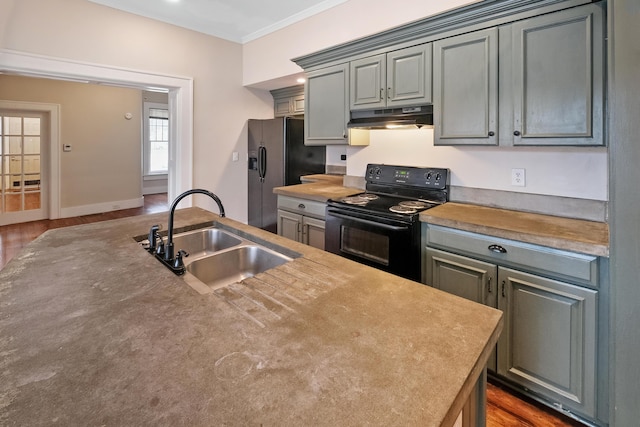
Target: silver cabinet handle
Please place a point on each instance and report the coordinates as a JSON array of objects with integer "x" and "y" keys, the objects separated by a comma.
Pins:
[
  {"x": 381, "y": 93},
  {"x": 504, "y": 284},
  {"x": 497, "y": 249},
  {"x": 489, "y": 285}
]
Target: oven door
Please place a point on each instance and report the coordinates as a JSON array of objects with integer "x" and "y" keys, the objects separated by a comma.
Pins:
[{"x": 387, "y": 244}]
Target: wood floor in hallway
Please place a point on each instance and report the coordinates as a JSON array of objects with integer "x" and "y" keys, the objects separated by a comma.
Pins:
[{"x": 504, "y": 409}]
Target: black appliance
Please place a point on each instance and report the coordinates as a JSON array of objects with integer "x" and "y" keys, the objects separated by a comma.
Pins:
[
  {"x": 381, "y": 226},
  {"x": 277, "y": 156}
]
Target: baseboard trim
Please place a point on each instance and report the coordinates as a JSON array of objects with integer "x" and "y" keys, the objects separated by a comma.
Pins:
[
  {"x": 101, "y": 207},
  {"x": 154, "y": 190}
]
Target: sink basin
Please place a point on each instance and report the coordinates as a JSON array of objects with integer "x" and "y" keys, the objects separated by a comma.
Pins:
[
  {"x": 199, "y": 243},
  {"x": 234, "y": 265}
]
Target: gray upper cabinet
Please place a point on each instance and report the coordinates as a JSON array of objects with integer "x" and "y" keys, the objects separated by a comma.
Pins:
[
  {"x": 465, "y": 86},
  {"x": 396, "y": 79},
  {"x": 327, "y": 106},
  {"x": 558, "y": 78},
  {"x": 542, "y": 76},
  {"x": 288, "y": 101}
]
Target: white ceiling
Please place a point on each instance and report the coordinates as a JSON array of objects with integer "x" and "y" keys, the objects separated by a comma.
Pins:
[{"x": 236, "y": 20}]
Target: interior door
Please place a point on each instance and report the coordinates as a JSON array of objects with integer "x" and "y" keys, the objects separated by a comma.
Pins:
[{"x": 23, "y": 186}]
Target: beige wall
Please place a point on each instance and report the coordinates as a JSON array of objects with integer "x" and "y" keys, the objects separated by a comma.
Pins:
[
  {"x": 83, "y": 31},
  {"x": 104, "y": 164}
]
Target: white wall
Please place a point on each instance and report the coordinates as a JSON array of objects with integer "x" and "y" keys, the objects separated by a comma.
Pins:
[
  {"x": 558, "y": 171},
  {"x": 86, "y": 32}
]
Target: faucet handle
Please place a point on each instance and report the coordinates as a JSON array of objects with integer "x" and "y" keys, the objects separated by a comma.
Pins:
[
  {"x": 153, "y": 237},
  {"x": 178, "y": 262}
]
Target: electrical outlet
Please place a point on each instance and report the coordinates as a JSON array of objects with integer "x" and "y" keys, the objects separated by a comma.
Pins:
[{"x": 518, "y": 177}]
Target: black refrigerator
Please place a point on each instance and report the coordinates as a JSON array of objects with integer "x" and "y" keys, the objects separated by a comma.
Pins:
[{"x": 277, "y": 157}]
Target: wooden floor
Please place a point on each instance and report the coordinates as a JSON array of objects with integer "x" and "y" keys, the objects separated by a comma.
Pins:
[
  {"x": 503, "y": 408},
  {"x": 14, "y": 237}
]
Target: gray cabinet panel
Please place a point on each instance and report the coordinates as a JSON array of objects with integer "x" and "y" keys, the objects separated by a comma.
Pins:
[
  {"x": 465, "y": 86},
  {"x": 578, "y": 268},
  {"x": 396, "y": 79},
  {"x": 289, "y": 225},
  {"x": 301, "y": 220},
  {"x": 327, "y": 106},
  {"x": 558, "y": 78},
  {"x": 409, "y": 77},
  {"x": 466, "y": 277},
  {"x": 313, "y": 232},
  {"x": 288, "y": 101},
  {"x": 549, "y": 340},
  {"x": 368, "y": 77}
]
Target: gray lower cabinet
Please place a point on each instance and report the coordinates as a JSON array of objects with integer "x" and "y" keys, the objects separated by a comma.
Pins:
[
  {"x": 549, "y": 298},
  {"x": 395, "y": 79},
  {"x": 301, "y": 220},
  {"x": 543, "y": 76},
  {"x": 327, "y": 106}
]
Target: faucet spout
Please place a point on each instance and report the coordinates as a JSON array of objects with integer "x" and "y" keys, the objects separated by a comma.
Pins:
[{"x": 168, "y": 249}]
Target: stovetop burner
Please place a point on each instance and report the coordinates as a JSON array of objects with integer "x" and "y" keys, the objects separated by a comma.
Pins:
[
  {"x": 398, "y": 192},
  {"x": 359, "y": 199},
  {"x": 403, "y": 209},
  {"x": 414, "y": 204}
]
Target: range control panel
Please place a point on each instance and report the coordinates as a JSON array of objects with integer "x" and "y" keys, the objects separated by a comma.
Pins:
[{"x": 435, "y": 178}]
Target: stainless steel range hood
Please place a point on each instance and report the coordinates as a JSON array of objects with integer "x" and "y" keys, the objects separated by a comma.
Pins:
[{"x": 392, "y": 118}]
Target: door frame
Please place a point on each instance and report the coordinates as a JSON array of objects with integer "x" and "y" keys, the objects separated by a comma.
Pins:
[
  {"x": 52, "y": 168},
  {"x": 180, "y": 91}
]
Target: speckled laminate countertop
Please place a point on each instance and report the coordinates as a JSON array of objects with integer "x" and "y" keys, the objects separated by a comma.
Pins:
[
  {"x": 95, "y": 331},
  {"x": 587, "y": 237}
]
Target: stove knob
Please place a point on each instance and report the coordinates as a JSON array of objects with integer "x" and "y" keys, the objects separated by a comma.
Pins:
[
  {"x": 378, "y": 171},
  {"x": 427, "y": 176},
  {"x": 438, "y": 176}
]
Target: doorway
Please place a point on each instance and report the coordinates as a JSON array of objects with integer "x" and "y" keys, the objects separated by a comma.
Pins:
[
  {"x": 180, "y": 89},
  {"x": 29, "y": 179}
]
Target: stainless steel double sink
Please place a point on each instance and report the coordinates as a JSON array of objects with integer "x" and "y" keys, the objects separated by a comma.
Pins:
[{"x": 218, "y": 258}]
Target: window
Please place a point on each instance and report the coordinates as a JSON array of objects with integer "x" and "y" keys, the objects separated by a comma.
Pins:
[{"x": 156, "y": 143}]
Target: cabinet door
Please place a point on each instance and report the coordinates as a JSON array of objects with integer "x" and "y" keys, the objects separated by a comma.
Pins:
[
  {"x": 409, "y": 76},
  {"x": 313, "y": 232},
  {"x": 297, "y": 104},
  {"x": 558, "y": 78},
  {"x": 465, "y": 89},
  {"x": 465, "y": 277},
  {"x": 548, "y": 344},
  {"x": 289, "y": 225},
  {"x": 368, "y": 77},
  {"x": 327, "y": 106},
  {"x": 281, "y": 107}
]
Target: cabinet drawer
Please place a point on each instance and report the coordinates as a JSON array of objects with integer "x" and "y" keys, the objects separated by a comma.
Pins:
[
  {"x": 302, "y": 206},
  {"x": 577, "y": 267}
]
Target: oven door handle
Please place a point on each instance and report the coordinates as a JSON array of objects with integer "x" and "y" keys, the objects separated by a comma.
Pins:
[{"x": 368, "y": 222}]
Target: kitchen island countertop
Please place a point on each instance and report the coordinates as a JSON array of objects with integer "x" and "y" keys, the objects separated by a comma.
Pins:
[{"x": 95, "y": 331}]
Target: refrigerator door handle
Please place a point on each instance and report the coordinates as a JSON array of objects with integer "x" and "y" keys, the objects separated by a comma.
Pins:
[{"x": 262, "y": 162}]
